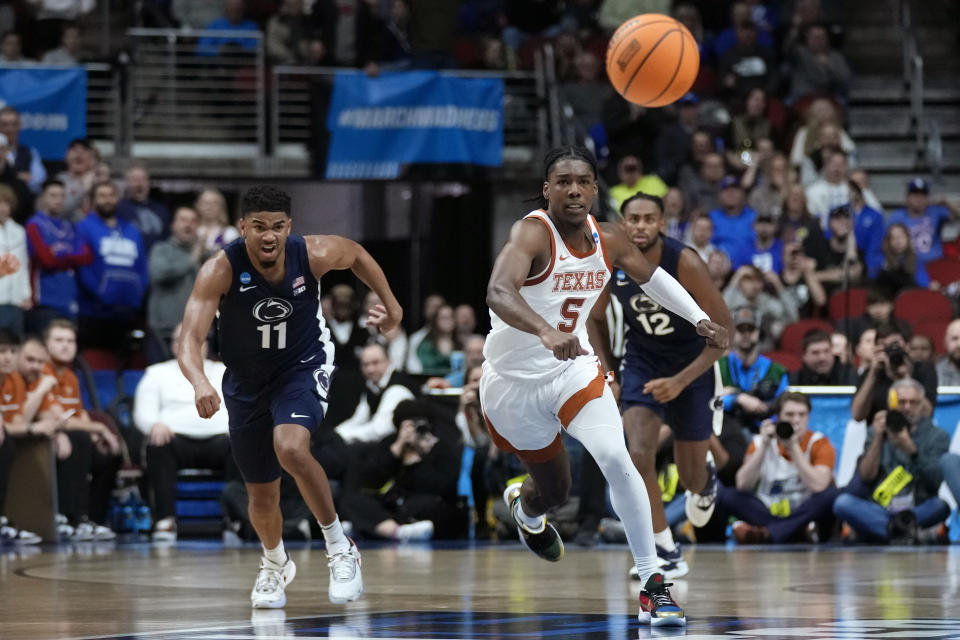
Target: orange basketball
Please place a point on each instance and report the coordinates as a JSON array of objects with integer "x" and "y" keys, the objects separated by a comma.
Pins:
[{"x": 652, "y": 60}]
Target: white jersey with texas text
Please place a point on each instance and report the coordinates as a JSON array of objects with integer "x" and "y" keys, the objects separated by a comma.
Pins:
[{"x": 563, "y": 295}]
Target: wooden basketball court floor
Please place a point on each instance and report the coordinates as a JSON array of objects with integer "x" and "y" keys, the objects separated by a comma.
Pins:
[{"x": 201, "y": 590}]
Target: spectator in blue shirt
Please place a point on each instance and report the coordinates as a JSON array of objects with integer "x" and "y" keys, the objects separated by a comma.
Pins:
[
  {"x": 868, "y": 228},
  {"x": 740, "y": 13},
  {"x": 923, "y": 220},
  {"x": 110, "y": 289},
  {"x": 766, "y": 253},
  {"x": 733, "y": 221},
  {"x": 232, "y": 20},
  {"x": 55, "y": 252}
]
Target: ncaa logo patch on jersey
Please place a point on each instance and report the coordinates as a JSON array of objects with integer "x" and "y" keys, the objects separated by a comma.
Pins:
[
  {"x": 272, "y": 310},
  {"x": 244, "y": 278}
]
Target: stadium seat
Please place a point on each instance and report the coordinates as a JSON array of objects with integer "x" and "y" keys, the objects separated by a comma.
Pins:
[
  {"x": 849, "y": 304},
  {"x": 920, "y": 305},
  {"x": 944, "y": 271},
  {"x": 936, "y": 330},
  {"x": 791, "y": 340},
  {"x": 789, "y": 360}
]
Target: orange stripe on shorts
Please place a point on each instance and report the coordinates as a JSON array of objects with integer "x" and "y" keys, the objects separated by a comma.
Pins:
[
  {"x": 529, "y": 455},
  {"x": 577, "y": 401}
]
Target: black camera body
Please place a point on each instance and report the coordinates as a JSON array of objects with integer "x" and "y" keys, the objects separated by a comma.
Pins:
[
  {"x": 423, "y": 426},
  {"x": 785, "y": 430},
  {"x": 896, "y": 421},
  {"x": 895, "y": 353}
]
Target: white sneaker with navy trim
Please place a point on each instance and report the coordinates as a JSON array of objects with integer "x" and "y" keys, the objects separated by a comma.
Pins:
[{"x": 346, "y": 581}]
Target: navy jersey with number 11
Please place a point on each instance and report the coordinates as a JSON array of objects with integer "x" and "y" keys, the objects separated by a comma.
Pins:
[
  {"x": 265, "y": 329},
  {"x": 660, "y": 340}
]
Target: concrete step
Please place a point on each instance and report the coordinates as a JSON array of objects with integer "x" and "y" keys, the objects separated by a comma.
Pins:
[
  {"x": 901, "y": 155},
  {"x": 894, "y": 120},
  {"x": 889, "y": 88}
]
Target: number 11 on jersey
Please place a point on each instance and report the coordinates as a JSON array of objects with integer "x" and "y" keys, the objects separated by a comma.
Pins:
[{"x": 281, "y": 330}]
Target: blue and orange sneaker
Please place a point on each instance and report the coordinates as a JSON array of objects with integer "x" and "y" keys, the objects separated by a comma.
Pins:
[{"x": 657, "y": 606}]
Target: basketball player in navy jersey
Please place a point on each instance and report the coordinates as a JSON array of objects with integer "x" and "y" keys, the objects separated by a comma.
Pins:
[
  {"x": 668, "y": 372},
  {"x": 279, "y": 360}
]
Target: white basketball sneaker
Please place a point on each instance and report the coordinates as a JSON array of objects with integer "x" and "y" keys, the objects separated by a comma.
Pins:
[
  {"x": 346, "y": 581},
  {"x": 272, "y": 580}
]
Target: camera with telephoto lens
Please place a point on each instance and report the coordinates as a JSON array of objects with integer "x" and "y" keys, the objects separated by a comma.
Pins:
[
  {"x": 895, "y": 354},
  {"x": 423, "y": 426},
  {"x": 784, "y": 430},
  {"x": 896, "y": 421}
]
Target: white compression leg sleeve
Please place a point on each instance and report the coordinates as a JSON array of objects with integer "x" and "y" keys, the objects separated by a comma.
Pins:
[
  {"x": 665, "y": 289},
  {"x": 599, "y": 428}
]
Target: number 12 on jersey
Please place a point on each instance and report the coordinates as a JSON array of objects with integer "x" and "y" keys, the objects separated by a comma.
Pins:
[{"x": 281, "y": 330}]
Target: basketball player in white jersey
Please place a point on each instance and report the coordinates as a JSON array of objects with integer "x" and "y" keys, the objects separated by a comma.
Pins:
[{"x": 540, "y": 376}]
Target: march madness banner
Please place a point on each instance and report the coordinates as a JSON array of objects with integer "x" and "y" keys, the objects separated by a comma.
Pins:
[
  {"x": 377, "y": 125},
  {"x": 52, "y": 103}
]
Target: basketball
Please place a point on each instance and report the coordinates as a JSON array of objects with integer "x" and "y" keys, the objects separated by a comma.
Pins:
[{"x": 652, "y": 60}]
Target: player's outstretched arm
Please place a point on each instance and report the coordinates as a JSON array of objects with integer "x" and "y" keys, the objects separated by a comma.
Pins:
[
  {"x": 660, "y": 285},
  {"x": 526, "y": 247},
  {"x": 334, "y": 252},
  {"x": 212, "y": 283}
]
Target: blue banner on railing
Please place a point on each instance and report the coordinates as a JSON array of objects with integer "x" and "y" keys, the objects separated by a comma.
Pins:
[
  {"x": 377, "y": 125},
  {"x": 52, "y": 105}
]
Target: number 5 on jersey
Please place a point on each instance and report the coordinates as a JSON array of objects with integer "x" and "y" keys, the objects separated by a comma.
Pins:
[
  {"x": 280, "y": 329},
  {"x": 571, "y": 311}
]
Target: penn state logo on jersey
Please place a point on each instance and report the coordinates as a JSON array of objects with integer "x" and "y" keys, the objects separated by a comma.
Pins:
[
  {"x": 272, "y": 310},
  {"x": 651, "y": 316}
]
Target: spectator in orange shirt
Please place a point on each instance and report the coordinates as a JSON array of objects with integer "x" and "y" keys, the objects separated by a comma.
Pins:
[
  {"x": 86, "y": 477},
  {"x": 786, "y": 481}
]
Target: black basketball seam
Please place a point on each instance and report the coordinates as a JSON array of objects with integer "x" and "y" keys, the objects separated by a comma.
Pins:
[
  {"x": 639, "y": 27},
  {"x": 645, "y": 58},
  {"x": 676, "y": 70}
]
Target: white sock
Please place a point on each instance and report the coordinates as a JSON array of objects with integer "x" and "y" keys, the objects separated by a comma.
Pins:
[
  {"x": 277, "y": 556},
  {"x": 533, "y": 524},
  {"x": 333, "y": 534},
  {"x": 665, "y": 540}
]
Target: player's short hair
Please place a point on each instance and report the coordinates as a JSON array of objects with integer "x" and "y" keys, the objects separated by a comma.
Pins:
[
  {"x": 10, "y": 338},
  {"x": 791, "y": 396},
  {"x": 813, "y": 337},
  {"x": 264, "y": 197},
  {"x": 59, "y": 323},
  {"x": 657, "y": 200}
]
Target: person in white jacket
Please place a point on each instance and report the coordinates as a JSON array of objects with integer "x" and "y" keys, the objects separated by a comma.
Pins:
[
  {"x": 385, "y": 388},
  {"x": 15, "y": 293},
  {"x": 177, "y": 438}
]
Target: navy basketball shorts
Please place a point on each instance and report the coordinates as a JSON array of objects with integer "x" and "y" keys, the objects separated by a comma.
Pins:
[
  {"x": 298, "y": 396},
  {"x": 691, "y": 415}
]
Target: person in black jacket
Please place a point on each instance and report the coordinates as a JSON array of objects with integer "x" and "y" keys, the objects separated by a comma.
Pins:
[
  {"x": 820, "y": 365},
  {"x": 405, "y": 486}
]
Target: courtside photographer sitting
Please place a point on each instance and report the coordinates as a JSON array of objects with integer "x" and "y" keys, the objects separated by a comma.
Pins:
[{"x": 404, "y": 487}]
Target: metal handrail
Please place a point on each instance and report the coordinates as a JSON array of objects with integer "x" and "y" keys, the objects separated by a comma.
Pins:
[{"x": 913, "y": 77}]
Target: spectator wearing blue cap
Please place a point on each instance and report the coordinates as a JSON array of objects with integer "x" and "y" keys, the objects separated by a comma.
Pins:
[
  {"x": 673, "y": 143},
  {"x": 733, "y": 221},
  {"x": 924, "y": 220}
]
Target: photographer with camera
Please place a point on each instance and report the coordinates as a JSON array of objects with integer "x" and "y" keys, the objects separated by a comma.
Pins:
[
  {"x": 751, "y": 382},
  {"x": 890, "y": 363},
  {"x": 899, "y": 472},
  {"x": 405, "y": 486},
  {"x": 785, "y": 485}
]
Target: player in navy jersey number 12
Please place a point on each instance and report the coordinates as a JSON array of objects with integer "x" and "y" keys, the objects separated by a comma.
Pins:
[
  {"x": 668, "y": 373},
  {"x": 279, "y": 360}
]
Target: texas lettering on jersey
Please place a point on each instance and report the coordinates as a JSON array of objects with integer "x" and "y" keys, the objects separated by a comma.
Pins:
[{"x": 579, "y": 280}]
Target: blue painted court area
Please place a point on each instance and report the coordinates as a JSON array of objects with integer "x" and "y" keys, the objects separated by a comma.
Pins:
[{"x": 450, "y": 625}]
